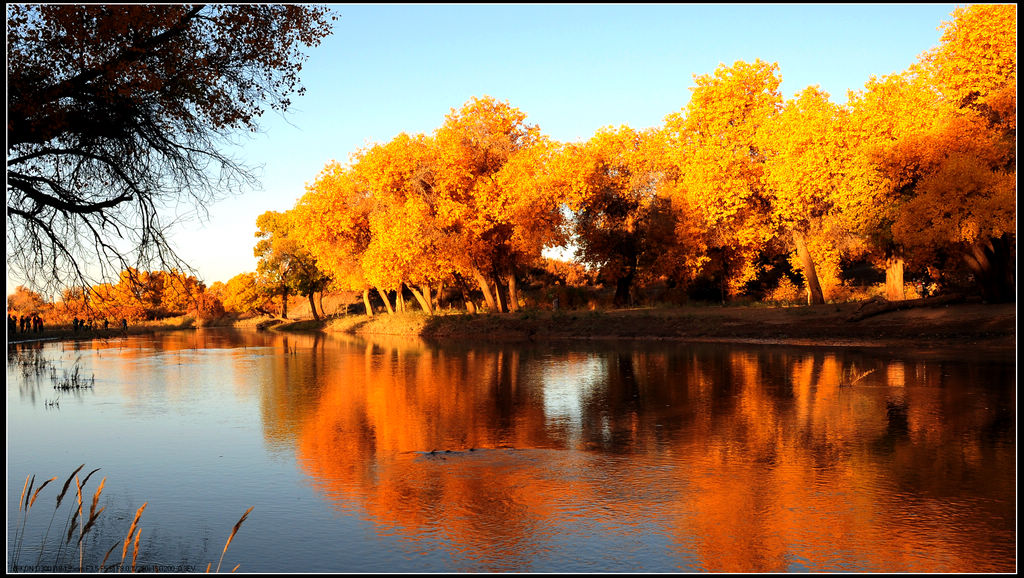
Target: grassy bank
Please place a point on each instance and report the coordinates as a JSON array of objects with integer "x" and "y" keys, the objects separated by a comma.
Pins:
[
  {"x": 838, "y": 324},
  {"x": 918, "y": 322}
]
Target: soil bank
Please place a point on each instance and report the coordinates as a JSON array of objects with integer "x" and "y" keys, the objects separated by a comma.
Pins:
[{"x": 922, "y": 324}]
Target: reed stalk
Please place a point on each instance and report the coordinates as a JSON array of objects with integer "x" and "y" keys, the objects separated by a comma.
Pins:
[
  {"x": 107, "y": 555},
  {"x": 233, "y": 532},
  {"x": 131, "y": 532},
  {"x": 135, "y": 552},
  {"x": 60, "y": 497},
  {"x": 24, "y": 516},
  {"x": 81, "y": 529},
  {"x": 84, "y": 522},
  {"x": 94, "y": 514},
  {"x": 25, "y": 504}
]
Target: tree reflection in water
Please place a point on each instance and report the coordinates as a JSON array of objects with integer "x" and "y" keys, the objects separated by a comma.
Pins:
[{"x": 744, "y": 459}]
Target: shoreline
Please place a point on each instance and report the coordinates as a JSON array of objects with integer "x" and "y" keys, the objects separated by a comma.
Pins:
[
  {"x": 920, "y": 324},
  {"x": 923, "y": 323}
]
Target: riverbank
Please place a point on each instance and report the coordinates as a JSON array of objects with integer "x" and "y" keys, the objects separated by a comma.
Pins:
[
  {"x": 856, "y": 324},
  {"x": 919, "y": 323}
]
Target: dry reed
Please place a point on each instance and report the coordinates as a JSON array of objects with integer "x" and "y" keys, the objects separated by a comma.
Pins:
[
  {"x": 24, "y": 504},
  {"x": 77, "y": 519},
  {"x": 67, "y": 483},
  {"x": 76, "y": 512},
  {"x": 233, "y": 532},
  {"x": 54, "y": 514},
  {"x": 131, "y": 531},
  {"x": 94, "y": 514},
  {"x": 39, "y": 489},
  {"x": 25, "y": 489},
  {"x": 107, "y": 555},
  {"x": 135, "y": 551}
]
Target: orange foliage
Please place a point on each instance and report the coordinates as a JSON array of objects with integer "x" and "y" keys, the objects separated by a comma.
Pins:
[
  {"x": 937, "y": 170},
  {"x": 243, "y": 294},
  {"x": 976, "y": 59},
  {"x": 139, "y": 295},
  {"x": 333, "y": 225},
  {"x": 715, "y": 148},
  {"x": 917, "y": 166},
  {"x": 623, "y": 222}
]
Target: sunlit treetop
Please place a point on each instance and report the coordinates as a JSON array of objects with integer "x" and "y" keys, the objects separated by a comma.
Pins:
[{"x": 977, "y": 54}]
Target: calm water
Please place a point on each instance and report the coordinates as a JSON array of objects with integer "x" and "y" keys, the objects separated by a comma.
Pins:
[{"x": 396, "y": 456}]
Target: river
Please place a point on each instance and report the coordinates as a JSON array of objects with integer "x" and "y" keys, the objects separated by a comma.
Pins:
[{"x": 394, "y": 455}]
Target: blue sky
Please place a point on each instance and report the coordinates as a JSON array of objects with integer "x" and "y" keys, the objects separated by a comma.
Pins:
[{"x": 571, "y": 68}]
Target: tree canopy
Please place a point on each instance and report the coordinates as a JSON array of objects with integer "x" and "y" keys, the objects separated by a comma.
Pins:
[{"x": 117, "y": 117}]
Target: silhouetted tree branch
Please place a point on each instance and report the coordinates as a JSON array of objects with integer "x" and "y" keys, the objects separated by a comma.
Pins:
[{"x": 117, "y": 117}]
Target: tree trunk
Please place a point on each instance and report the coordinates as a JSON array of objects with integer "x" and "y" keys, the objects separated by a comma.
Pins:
[
  {"x": 622, "y": 287},
  {"x": 467, "y": 298},
  {"x": 513, "y": 294},
  {"x": 284, "y": 303},
  {"x": 424, "y": 300},
  {"x": 366, "y": 303},
  {"x": 320, "y": 299},
  {"x": 814, "y": 294},
  {"x": 312, "y": 306},
  {"x": 482, "y": 281},
  {"x": 497, "y": 296},
  {"x": 894, "y": 279},
  {"x": 387, "y": 301},
  {"x": 429, "y": 296},
  {"x": 991, "y": 263},
  {"x": 400, "y": 299}
]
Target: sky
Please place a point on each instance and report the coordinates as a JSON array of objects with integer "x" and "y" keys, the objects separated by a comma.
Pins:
[{"x": 571, "y": 68}]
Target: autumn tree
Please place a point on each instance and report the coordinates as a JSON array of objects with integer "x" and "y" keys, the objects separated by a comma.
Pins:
[
  {"x": 968, "y": 202},
  {"x": 472, "y": 146},
  {"x": 531, "y": 210},
  {"x": 407, "y": 244},
  {"x": 284, "y": 263},
  {"x": 25, "y": 301},
  {"x": 975, "y": 63},
  {"x": 117, "y": 114},
  {"x": 620, "y": 205},
  {"x": 937, "y": 167},
  {"x": 714, "y": 146},
  {"x": 243, "y": 294},
  {"x": 886, "y": 115},
  {"x": 333, "y": 224},
  {"x": 807, "y": 166}
]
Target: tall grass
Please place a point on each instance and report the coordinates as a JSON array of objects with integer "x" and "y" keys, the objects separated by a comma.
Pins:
[{"x": 80, "y": 525}]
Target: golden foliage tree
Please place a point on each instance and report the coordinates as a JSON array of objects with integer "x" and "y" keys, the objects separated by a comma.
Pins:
[
  {"x": 889, "y": 116},
  {"x": 284, "y": 263},
  {"x": 969, "y": 199},
  {"x": 715, "y": 148},
  {"x": 621, "y": 213},
  {"x": 243, "y": 294},
  {"x": 333, "y": 224},
  {"x": 472, "y": 147},
  {"x": 937, "y": 170},
  {"x": 809, "y": 149},
  {"x": 407, "y": 247}
]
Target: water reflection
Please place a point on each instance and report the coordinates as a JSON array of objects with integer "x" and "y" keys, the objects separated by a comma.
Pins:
[
  {"x": 747, "y": 460},
  {"x": 614, "y": 457}
]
